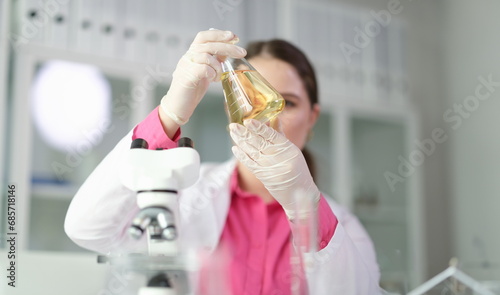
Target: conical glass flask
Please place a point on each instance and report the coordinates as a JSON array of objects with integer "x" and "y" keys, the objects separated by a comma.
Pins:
[{"x": 247, "y": 94}]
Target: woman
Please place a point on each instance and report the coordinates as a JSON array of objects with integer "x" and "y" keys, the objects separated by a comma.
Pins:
[{"x": 245, "y": 208}]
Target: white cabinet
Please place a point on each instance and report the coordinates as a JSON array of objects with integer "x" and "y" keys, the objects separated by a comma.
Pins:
[
  {"x": 48, "y": 177},
  {"x": 382, "y": 198}
]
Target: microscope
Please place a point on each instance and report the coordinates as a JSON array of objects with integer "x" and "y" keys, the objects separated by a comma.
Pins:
[{"x": 157, "y": 176}]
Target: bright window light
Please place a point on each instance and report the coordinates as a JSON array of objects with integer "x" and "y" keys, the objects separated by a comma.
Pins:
[{"x": 71, "y": 104}]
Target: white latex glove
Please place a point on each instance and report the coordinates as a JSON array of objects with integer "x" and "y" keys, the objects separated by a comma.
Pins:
[
  {"x": 278, "y": 164},
  {"x": 199, "y": 66}
]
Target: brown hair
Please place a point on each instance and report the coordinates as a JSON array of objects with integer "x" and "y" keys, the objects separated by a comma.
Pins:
[{"x": 289, "y": 53}]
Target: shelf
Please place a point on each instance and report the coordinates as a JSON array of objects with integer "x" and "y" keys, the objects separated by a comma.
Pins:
[
  {"x": 53, "y": 191},
  {"x": 378, "y": 214}
]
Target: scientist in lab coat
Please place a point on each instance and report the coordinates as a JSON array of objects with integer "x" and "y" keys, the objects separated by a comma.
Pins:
[{"x": 245, "y": 209}]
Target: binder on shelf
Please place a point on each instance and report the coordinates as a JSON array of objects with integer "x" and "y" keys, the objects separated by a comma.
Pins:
[
  {"x": 172, "y": 44},
  {"x": 73, "y": 24},
  {"x": 33, "y": 24},
  {"x": 314, "y": 19},
  {"x": 87, "y": 22},
  {"x": 152, "y": 27},
  {"x": 312, "y": 32},
  {"x": 58, "y": 26},
  {"x": 128, "y": 30},
  {"x": 369, "y": 70},
  {"x": 266, "y": 10},
  {"x": 351, "y": 74},
  {"x": 383, "y": 77},
  {"x": 171, "y": 48},
  {"x": 337, "y": 42},
  {"x": 231, "y": 17},
  {"x": 335, "y": 36},
  {"x": 106, "y": 34},
  {"x": 313, "y": 27},
  {"x": 398, "y": 62},
  {"x": 319, "y": 35}
]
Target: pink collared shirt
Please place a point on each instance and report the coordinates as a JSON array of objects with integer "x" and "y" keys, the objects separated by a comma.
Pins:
[{"x": 255, "y": 248}]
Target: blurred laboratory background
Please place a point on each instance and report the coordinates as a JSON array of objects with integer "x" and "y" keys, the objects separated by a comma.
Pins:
[{"x": 408, "y": 137}]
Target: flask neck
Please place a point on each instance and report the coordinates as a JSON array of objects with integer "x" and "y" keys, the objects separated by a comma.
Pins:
[
  {"x": 232, "y": 64},
  {"x": 227, "y": 65}
]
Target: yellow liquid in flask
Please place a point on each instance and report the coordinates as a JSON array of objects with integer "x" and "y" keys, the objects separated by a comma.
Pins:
[{"x": 249, "y": 96}]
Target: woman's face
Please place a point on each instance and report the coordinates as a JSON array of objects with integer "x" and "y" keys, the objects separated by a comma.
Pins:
[{"x": 298, "y": 117}]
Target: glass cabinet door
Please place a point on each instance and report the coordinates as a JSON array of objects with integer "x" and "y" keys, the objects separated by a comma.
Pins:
[
  {"x": 57, "y": 173},
  {"x": 321, "y": 147},
  {"x": 379, "y": 203}
]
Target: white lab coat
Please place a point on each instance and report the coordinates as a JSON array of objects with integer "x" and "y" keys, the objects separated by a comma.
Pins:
[{"x": 103, "y": 208}]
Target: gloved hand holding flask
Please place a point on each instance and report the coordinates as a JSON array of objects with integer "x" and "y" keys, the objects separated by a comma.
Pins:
[
  {"x": 278, "y": 164},
  {"x": 199, "y": 66}
]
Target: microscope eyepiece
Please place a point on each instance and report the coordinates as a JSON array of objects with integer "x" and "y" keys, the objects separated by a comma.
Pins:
[
  {"x": 139, "y": 143},
  {"x": 161, "y": 280},
  {"x": 185, "y": 142}
]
